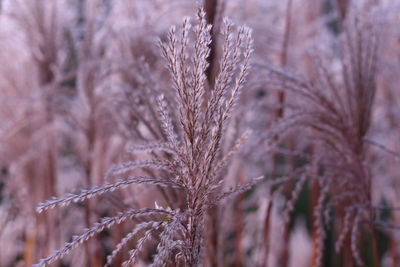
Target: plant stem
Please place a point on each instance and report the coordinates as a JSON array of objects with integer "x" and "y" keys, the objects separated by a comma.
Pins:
[
  {"x": 375, "y": 246},
  {"x": 279, "y": 113}
]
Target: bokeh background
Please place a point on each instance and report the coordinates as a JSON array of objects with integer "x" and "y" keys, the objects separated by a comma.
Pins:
[{"x": 78, "y": 80}]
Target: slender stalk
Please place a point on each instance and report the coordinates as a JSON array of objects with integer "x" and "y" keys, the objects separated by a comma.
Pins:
[
  {"x": 372, "y": 229},
  {"x": 278, "y": 114},
  {"x": 374, "y": 246},
  {"x": 210, "y": 7},
  {"x": 284, "y": 257},
  {"x": 239, "y": 222}
]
